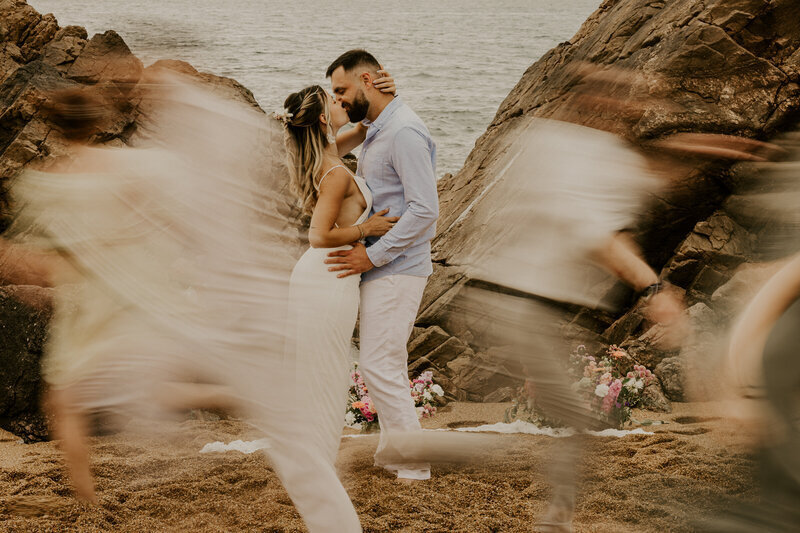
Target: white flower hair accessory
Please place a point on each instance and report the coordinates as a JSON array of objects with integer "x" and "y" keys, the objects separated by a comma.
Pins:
[{"x": 284, "y": 116}]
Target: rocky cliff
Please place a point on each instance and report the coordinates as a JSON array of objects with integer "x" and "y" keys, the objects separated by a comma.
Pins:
[{"x": 724, "y": 66}]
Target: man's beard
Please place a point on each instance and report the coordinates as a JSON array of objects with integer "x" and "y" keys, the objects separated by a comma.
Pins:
[{"x": 357, "y": 111}]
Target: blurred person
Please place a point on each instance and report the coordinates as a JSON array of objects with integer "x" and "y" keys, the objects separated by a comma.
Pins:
[
  {"x": 79, "y": 308},
  {"x": 562, "y": 198},
  {"x": 763, "y": 367},
  {"x": 760, "y": 370},
  {"x": 161, "y": 295}
]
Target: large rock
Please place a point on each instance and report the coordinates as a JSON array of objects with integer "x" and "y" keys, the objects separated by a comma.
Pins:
[
  {"x": 653, "y": 398},
  {"x": 724, "y": 66},
  {"x": 743, "y": 285},
  {"x": 65, "y": 47},
  {"x": 24, "y": 316},
  {"x": 671, "y": 374},
  {"x": 482, "y": 377},
  {"x": 107, "y": 59},
  {"x": 707, "y": 257},
  {"x": 23, "y": 34},
  {"x": 425, "y": 342}
]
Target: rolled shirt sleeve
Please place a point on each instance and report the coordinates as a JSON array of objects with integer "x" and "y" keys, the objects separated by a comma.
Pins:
[{"x": 413, "y": 158}]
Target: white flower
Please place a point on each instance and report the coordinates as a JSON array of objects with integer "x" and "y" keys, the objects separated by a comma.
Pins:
[
  {"x": 427, "y": 395},
  {"x": 420, "y": 412},
  {"x": 349, "y": 419},
  {"x": 437, "y": 390},
  {"x": 282, "y": 115},
  {"x": 639, "y": 384},
  {"x": 585, "y": 383},
  {"x": 601, "y": 390}
]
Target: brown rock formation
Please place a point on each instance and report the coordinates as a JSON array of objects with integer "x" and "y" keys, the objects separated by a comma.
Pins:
[
  {"x": 724, "y": 66},
  {"x": 23, "y": 328}
]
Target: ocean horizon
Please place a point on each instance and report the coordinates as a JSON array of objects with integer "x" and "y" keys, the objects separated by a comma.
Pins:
[{"x": 453, "y": 73}]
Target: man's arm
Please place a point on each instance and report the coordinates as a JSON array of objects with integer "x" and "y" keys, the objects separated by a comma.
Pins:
[{"x": 413, "y": 163}]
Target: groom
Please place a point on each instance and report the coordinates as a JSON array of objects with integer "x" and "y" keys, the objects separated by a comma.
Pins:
[{"x": 398, "y": 161}]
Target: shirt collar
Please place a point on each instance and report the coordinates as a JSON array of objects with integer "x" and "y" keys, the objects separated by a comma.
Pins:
[{"x": 387, "y": 112}]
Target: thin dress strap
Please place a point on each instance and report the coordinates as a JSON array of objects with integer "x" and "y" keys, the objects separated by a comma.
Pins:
[{"x": 318, "y": 185}]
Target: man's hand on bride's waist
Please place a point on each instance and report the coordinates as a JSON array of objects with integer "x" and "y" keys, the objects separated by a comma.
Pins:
[{"x": 349, "y": 262}]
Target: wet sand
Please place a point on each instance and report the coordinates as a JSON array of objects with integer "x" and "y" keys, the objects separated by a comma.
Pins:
[{"x": 160, "y": 482}]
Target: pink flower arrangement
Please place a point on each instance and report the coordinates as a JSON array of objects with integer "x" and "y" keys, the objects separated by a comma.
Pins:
[
  {"x": 602, "y": 383},
  {"x": 361, "y": 413},
  {"x": 610, "y": 400}
]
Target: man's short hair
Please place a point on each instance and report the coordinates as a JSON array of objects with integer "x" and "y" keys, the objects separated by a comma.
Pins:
[{"x": 352, "y": 59}]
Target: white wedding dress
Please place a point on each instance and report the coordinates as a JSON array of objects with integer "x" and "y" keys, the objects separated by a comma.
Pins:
[{"x": 324, "y": 309}]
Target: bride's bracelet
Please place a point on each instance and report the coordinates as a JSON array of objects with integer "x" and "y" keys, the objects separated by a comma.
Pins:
[{"x": 361, "y": 231}]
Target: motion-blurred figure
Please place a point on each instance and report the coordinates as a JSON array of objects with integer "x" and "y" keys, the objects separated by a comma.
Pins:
[
  {"x": 561, "y": 200},
  {"x": 77, "y": 114},
  {"x": 761, "y": 367},
  {"x": 173, "y": 261}
]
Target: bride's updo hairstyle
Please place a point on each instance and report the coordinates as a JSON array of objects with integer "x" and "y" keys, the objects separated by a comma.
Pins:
[{"x": 306, "y": 142}]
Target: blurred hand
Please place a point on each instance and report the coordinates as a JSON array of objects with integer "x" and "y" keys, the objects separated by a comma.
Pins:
[
  {"x": 665, "y": 307},
  {"x": 668, "y": 311},
  {"x": 716, "y": 146}
]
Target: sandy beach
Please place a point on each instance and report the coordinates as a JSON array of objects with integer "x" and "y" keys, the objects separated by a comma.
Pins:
[{"x": 160, "y": 482}]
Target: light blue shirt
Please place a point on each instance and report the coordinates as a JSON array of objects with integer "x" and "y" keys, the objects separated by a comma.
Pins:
[{"x": 398, "y": 162}]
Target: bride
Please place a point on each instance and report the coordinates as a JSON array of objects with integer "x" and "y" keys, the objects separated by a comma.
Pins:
[{"x": 323, "y": 308}]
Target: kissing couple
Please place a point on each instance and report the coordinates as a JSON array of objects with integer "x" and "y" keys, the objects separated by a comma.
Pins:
[{"x": 369, "y": 236}]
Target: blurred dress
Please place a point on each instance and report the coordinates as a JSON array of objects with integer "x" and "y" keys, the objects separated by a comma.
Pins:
[
  {"x": 560, "y": 193},
  {"x": 323, "y": 309},
  {"x": 97, "y": 221}
]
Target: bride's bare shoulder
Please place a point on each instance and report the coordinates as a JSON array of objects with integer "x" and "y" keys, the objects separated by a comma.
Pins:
[{"x": 334, "y": 177}]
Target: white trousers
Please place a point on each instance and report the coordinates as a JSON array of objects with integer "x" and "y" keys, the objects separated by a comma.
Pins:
[{"x": 389, "y": 307}]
